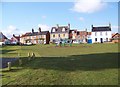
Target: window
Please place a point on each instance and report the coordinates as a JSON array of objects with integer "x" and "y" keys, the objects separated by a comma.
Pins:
[
  {"x": 58, "y": 35},
  {"x": 101, "y": 33},
  {"x": 107, "y": 39},
  {"x": 63, "y": 29},
  {"x": 53, "y": 29},
  {"x": 63, "y": 35},
  {"x": 53, "y": 35},
  {"x": 95, "y": 39},
  {"x": 95, "y": 33},
  {"x": 35, "y": 41},
  {"x": 77, "y": 33}
]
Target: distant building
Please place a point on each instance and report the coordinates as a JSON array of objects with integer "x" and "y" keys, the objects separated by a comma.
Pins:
[
  {"x": 15, "y": 39},
  {"x": 41, "y": 37},
  {"x": 78, "y": 36},
  {"x": 101, "y": 34},
  {"x": 59, "y": 32},
  {"x": 3, "y": 39},
  {"x": 115, "y": 38},
  {"x": 89, "y": 38}
]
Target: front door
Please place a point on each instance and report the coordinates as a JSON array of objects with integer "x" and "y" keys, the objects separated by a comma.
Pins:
[{"x": 101, "y": 40}]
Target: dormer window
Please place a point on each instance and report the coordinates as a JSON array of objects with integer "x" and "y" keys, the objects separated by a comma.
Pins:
[
  {"x": 63, "y": 29},
  {"x": 54, "y": 29}
]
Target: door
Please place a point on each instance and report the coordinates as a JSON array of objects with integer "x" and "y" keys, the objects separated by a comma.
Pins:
[{"x": 101, "y": 40}]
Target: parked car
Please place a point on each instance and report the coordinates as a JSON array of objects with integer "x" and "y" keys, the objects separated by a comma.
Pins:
[
  {"x": 28, "y": 43},
  {"x": 2, "y": 43}
]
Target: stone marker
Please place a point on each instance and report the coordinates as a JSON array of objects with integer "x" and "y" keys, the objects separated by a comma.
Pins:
[
  {"x": 29, "y": 58},
  {"x": 9, "y": 65},
  {"x": 33, "y": 55}
]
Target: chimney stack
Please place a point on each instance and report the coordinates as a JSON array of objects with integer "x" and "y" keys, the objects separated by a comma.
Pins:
[
  {"x": 39, "y": 29},
  {"x": 69, "y": 25},
  {"x": 109, "y": 24},
  {"x": 32, "y": 30},
  {"x": 92, "y": 26},
  {"x": 57, "y": 25},
  {"x": 13, "y": 35}
]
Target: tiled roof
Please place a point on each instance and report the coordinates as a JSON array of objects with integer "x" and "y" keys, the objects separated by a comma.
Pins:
[
  {"x": 116, "y": 35},
  {"x": 2, "y": 36},
  {"x": 95, "y": 29},
  {"x": 60, "y": 29},
  {"x": 17, "y": 37},
  {"x": 35, "y": 33}
]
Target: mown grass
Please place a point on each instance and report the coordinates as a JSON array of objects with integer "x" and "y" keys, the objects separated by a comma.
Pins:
[{"x": 84, "y": 64}]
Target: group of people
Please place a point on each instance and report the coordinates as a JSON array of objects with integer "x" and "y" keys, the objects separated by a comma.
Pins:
[{"x": 63, "y": 42}]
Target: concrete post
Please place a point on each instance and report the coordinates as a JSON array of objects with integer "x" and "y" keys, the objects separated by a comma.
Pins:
[
  {"x": 29, "y": 58},
  {"x": 9, "y": 65},
  {"x": 33, "y": 55}
]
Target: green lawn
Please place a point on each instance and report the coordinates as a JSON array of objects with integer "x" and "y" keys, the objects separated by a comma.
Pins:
[{"x": 84, "y": 64}]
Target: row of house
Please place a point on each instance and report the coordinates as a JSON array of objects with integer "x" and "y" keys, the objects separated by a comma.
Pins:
[
  {"x": 5, "y": 40},
  {"x": 40, "y": 37},
  {"x": 99, "y": 34}
]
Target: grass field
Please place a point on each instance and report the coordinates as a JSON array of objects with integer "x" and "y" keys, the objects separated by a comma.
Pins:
[{"x": 84, "y": 64}]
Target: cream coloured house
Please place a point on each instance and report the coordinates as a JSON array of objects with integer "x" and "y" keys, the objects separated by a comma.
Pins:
[{"x": 59, "y": 32}]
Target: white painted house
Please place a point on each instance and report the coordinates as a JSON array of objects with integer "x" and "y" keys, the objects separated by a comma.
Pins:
[{"x": 101, "y": 34}]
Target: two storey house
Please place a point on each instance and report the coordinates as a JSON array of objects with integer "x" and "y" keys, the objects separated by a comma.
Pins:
[{"x": 101, "y": 34}]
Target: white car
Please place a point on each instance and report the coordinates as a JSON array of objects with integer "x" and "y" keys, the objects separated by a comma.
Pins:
[
  {"x": 28, "y": 43},
  {"x": 2, "y": 43}
]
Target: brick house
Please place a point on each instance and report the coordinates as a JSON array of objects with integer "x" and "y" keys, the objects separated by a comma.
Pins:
[
  {"x": 3, "y": 39},
  {"x": 15, "y": 39},
  {"x": 115, "y": 38},
  {"x": 41, "y": 37},
  {"x": 78, "y": 36}
]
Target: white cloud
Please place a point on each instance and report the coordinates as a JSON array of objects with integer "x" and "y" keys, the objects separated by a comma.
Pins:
[
  {"x": 44, "y": 27},
  {"x": 88, "y": 6},
  {"x": 44, "y": 17},
  {"x": 115, "y": 28},
  {"x": 81, "y": 19},
  {"x": 10, "y": 30}
]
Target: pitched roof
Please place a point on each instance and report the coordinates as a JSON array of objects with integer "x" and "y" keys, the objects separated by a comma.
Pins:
[
  {"x": 116, "y": 35},
  {"x": 60, "y": 29},
  {"x": 106, "y": 28},
  {"x": 2, "y": 36},
  {"x": 16, "y": 37},
  {"x": 35, "y": 33}
]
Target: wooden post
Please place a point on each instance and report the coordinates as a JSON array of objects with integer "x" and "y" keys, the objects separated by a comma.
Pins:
[
  {"x": 29, "y": 58},
  {"x": 33, "y": 55},
  {"x": 9, "y": 65},
  {"x": 20, "y": 61}
]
